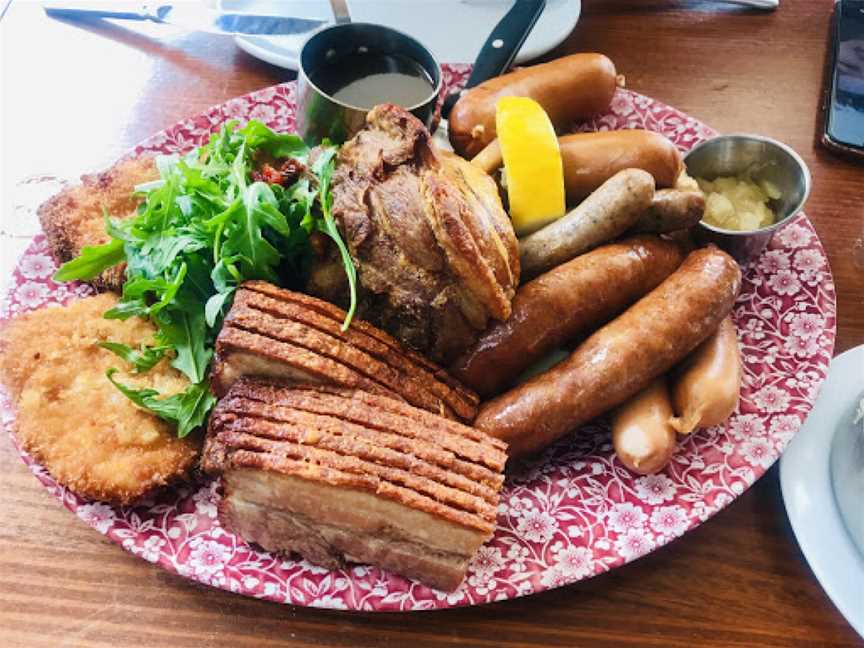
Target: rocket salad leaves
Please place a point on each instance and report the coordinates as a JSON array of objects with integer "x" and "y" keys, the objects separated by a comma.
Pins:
[{"x": 205, "y": 226}]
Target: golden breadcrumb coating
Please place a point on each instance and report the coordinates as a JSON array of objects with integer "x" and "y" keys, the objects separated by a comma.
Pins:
[
  {"x": 75, "y": 216},
  {"x": 88, "y": 435}
]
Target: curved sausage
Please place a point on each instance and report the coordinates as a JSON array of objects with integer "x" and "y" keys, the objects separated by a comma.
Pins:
[
  {"x": 592, "y": 158},
  {"x": 563, "y": 303},
  {"x": 671, "y": 210},
  {"x": 604, "y": 215},
  {"x": 570, "y": 88},
  {"x": 706, "y": 391},
  {"x": 490, "y": 158},
  {"x": 643, "y": 439},
  {"x": 619, "y": 359}
]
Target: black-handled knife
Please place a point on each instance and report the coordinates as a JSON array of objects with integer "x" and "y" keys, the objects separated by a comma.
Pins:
[{"x": 501, "y": 47}]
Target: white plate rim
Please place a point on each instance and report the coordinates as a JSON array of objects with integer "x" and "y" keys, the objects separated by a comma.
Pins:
[
  {"x": 805, "y": 481},
  {"x": 261, "y": 47}
]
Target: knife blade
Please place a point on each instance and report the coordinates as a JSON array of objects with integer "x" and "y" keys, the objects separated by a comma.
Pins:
[{"x": 192, "y": 16}]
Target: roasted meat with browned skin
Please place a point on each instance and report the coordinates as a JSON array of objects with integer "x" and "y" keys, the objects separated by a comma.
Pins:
[
  {"x": 435, "y": 252},
  {"x": 293, "y": 337},
  {"x": 342, "y": 475},
  {"x": 75, "y": 217}
]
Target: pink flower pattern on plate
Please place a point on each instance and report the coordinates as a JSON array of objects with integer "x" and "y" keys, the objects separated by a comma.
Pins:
[
  {"x": 568, "y": 515},
  {"x": 634, "y": 544},
  {"x": 669, "y": 520},
  {"x": 785, "y": 282},
  {"x": 773, "y": 261},
  {"x": 36, "y": 266},
  {"x": 625, "y": 516}
]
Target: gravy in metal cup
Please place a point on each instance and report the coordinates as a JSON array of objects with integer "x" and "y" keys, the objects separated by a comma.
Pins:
[
  {"x": 347, "y": 69},
  {"x": 372, "y": 78}
]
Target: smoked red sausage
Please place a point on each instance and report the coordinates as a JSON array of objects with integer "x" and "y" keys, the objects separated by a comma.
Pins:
[
  {"x": 570, "y": 88},
  {"x": 558, "y": 306},
  {"x": 590, "y": 159}
]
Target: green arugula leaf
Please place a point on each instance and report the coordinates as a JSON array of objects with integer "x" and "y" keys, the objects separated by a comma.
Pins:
[
  {"x": 195, "y": 405},
  {"x": 186, "y": 332},
  {"x": 277, "y": 145},
  {"x": 91, "y": 262},
  {"x": 328, "y": 226},
  {"x": 126, "y": 309},
  {"x": 157, "y": 253},
  {"x": 213, "y": 309},
  {"x": 260, "y": 201},
  {"x": 142, "y": 359},
  {"x": 188, "y": 409}
]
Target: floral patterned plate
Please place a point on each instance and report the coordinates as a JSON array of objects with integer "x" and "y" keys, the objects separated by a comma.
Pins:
[{"x": 574, "y": 512}]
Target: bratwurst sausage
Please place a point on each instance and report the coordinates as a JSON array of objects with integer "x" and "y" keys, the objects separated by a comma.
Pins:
[
  {"x": 563, "y": 303},
  {"x": 619, "y": 359},
  {"x": 671, "y": 210},
  {"x": 570, "y": 88},
  {"x": 603, "y": 216}
]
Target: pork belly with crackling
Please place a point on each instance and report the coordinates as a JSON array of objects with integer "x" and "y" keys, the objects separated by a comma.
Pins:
[
  {"x": 343, "y": 475},
  {"x": 293, "y": 337}
]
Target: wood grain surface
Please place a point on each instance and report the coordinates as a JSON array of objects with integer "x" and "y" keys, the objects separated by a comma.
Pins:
[{"x": 76, "y": 96}]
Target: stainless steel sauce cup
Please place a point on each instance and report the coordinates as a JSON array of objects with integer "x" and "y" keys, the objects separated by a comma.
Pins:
[
  {"x": 765, "y": 159},
  {"x": 318, "y": 114}
]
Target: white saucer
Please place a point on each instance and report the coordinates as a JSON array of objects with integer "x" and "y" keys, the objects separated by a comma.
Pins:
[
  {"x": 810, "y": 498},
  {"x": 454, "y": 30}
]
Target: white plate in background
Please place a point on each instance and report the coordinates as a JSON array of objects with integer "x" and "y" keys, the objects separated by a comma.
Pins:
[
  {"x": 809, "y": 494},
  {"x": 454, "y": 30}
]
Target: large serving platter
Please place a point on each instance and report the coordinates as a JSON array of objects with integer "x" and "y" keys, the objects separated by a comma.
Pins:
[{"x": 567, "y": 515}]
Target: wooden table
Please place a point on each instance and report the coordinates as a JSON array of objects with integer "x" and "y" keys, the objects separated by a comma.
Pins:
[{"x": 74, "y": 97}]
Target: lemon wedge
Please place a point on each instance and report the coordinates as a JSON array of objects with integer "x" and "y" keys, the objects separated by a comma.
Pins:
[{"x": 534, "y": 173}]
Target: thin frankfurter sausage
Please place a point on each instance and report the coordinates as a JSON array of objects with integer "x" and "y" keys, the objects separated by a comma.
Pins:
[
  {"x": 706, "y": 391},
  {"x": 642, "y": 436}
]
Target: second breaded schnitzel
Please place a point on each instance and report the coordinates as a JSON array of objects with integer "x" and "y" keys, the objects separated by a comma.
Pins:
[
  {"x": 88, "y": 435},
  {"x": 75, "y": 218}
]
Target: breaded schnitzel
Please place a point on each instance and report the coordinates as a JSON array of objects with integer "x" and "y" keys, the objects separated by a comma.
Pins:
[
  {"x": 74, "y": 217},
  {"x": 88, "y": 435}
]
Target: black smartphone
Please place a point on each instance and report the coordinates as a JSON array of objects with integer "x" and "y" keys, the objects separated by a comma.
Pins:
[{"x": 844, "y": 108}]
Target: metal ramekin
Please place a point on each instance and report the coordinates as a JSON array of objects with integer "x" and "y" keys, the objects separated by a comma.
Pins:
[
  {"x": 318, "y": 114},
  {"x": 766, "y": 159}
]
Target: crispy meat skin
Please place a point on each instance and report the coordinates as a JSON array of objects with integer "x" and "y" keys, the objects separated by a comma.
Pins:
[
  {"x": 435, "y": 252},
  {"x": 74, "y": 217},
  {"x": 88, "y": 435},
  {"x": 285, "y": 335},
  {"x": 342, "y": 475}
]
